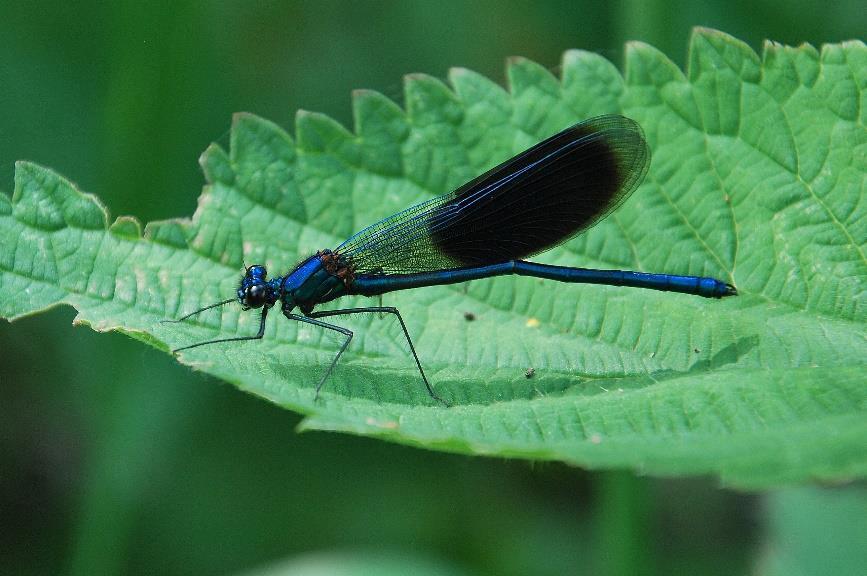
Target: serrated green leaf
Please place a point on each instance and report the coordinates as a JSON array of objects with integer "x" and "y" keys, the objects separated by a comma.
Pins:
[{"x": 758, "y": 179}]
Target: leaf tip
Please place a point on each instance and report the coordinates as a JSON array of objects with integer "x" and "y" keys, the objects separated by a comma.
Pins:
[
  {"x": 458, "y": 72},
  {"x": 241, "y": 117},
  {"x": 648, "y": 66},
  {"x": 126, "y": 227},
  {"x": 428, "y": 98},
  {"x": 319, "y": 132},
  {"x": 45, "y": 199},
  {"x": 216, "y": 165},
  {"x": 520, "y": 70},
  {"x": 171, "y": 233},
  {"x": 378, "y": 120}
]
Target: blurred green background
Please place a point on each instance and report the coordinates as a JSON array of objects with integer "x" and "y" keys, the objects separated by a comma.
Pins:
[{"x": 114, "y": 459}]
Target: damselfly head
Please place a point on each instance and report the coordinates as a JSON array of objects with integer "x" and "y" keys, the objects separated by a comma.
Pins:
[{"x": 255, "y": 291}]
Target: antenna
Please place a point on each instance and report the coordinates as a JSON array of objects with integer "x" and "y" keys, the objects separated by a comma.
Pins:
[{"x": 182, "y": 318}]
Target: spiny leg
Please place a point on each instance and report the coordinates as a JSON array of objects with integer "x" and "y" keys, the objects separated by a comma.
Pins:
[
  {"x": 258, "y": 336},
  {"x": 389, "y": 310},
  {"x": 341, "y": 329}
]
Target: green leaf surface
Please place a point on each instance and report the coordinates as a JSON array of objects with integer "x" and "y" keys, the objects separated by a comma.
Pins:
[{"x": 758, "y": 179}]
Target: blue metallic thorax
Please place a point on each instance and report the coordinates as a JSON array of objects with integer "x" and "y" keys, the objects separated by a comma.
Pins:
[
  {"x": 309, "y": 284},
  {"x": 302, "y": 273}
]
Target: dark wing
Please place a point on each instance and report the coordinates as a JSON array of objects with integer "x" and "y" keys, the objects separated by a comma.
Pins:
[{"x": 526, "y": 205}]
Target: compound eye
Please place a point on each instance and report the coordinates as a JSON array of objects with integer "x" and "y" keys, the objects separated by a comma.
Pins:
[{"x": 255, "y": 296}]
